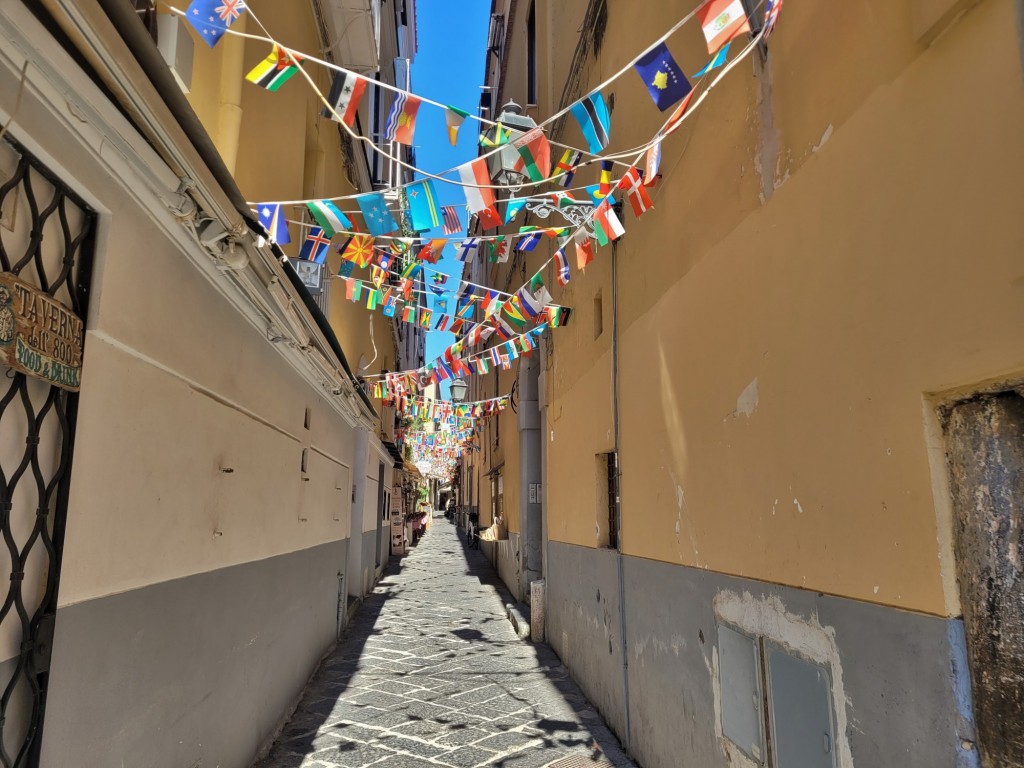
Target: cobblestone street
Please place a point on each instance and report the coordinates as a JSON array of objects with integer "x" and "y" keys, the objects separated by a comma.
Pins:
[{"x": 430, "y": 672}]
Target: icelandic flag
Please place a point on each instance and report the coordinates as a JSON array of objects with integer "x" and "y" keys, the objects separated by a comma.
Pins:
[
  {"x": 315, "y": 246},
  {"x": 379, "y": 220},
  {"x": 272, "y": 218},
  {"x": 211, "y": 18},
  {"x": 664, "y": 79},
  {"x": 529, "y": 240}
]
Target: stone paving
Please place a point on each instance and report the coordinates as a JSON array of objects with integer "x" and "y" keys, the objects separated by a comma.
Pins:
[{"x": 430, "y": 672}]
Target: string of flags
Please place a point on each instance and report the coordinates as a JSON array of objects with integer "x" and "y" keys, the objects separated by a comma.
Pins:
[
  {"x": 721, "y": 21},
  {"x": 386, "y": 217},
  {"x": 455, "y": 429}
]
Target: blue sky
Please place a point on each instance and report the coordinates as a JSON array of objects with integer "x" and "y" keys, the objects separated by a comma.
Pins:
[{"x": 449, "y": 68}]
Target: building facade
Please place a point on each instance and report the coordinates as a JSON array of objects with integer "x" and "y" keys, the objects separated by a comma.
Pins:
[
  {"x": 779, "y": 438},
  {"x": 190, "y": 527}
]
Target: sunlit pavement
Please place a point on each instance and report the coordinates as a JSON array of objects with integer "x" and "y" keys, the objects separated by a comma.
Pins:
[{"x": 430, "y": 672}]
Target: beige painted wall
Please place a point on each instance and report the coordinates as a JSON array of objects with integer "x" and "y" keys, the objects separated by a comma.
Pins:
[
  {"x": 287, "y": 150},
  {"x": 869, "y": 260},
  {"x": 192, "y": 391}
]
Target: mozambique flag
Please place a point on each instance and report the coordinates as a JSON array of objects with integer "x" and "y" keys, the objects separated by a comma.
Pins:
[{"x": 275, "y": 70}]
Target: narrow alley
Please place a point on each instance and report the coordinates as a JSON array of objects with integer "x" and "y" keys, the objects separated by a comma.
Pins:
[{"x": 430, "y": 672}]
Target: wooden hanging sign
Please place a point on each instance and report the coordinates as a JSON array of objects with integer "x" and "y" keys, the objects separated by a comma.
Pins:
[{"x": 39, "y": 336}]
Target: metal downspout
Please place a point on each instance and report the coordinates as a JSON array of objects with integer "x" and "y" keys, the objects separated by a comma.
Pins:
[{"x": 618, "y": 496}]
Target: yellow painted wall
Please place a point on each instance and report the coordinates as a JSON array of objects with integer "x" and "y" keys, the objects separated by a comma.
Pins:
[
  {"x": 870, "y": 261},
  {"x": 286, "y": 150}
]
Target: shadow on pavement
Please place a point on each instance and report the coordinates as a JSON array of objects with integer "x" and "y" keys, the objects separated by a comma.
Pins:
[{"x": 429, "y": 672}]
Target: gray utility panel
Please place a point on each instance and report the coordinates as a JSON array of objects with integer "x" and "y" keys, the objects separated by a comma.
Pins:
[{"x": 799, "y": 715}]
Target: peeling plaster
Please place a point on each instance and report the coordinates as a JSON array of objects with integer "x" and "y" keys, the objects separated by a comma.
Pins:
[
  {"x": 768, "y": 617},
  {"x": 796, "y": 503},
  {"x": 824, "y": 139},
  {"x": 747, "y": 402}
]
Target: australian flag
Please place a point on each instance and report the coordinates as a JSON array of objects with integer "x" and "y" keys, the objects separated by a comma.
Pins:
[
  {"x": 211, "y": 18},
  {"x": 664, "y": 79}
]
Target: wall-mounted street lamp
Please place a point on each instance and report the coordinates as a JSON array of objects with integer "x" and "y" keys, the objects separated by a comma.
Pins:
[
  {"x": 505, "y": 167},
  {"x": 458, "y": 390},
  {"x": 502, "y": 164}
]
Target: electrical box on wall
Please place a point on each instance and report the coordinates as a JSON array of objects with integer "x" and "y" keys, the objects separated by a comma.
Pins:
[
  {"x": 803, "y": 732},
  {"x": 176, "y": 46},
  {"x": 740, "y": 675},
  {"x": 799, "y": 714}
]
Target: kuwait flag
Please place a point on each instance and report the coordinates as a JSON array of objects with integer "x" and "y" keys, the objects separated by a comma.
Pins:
[
  {"x": 536, "y": 154},
  {"x": 346, "y": 93},
  {"x": 479, "y": 196},
  {"x": 722, "y": 20}
]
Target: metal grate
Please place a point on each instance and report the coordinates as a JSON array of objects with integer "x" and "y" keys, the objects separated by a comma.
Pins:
[
  {"x": 46, "y": 237},
  {"x": 581, "y": 761}
]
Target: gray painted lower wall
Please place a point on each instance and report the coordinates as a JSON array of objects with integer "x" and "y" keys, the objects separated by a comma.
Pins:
[
  {"x": 370, "y": 568},
  {"x": 899, "y": 671},
  {"x": 582, "y": 624},
  {"x": 198, "y": 671}
]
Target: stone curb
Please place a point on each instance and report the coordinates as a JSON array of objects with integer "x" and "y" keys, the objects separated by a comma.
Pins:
[{"x": 519, "y": 621}]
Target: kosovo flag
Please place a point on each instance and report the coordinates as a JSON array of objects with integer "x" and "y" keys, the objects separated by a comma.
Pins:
[{"x": 664, "y": 79}]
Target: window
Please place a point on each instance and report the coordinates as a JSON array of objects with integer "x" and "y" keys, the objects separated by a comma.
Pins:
[
  {"x": 497, "y": 497},
  {"x": 496, "y": 419},
  {"x": 598, "y": 315},
  {"x": 531, "y": 55},
  {"x": 608, "y": 500},
  {"x": 377, "y": 130}
]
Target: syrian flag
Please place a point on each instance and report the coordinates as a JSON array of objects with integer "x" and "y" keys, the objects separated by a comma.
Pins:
[{"x": 346, "y": 93}]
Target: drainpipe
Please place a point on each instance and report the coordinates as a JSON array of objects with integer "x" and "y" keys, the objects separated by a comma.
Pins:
[
  {"x": 529, "y": 474},
  {"x": 229, "y": 109},
  {"x": 618, "y": 495}
]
